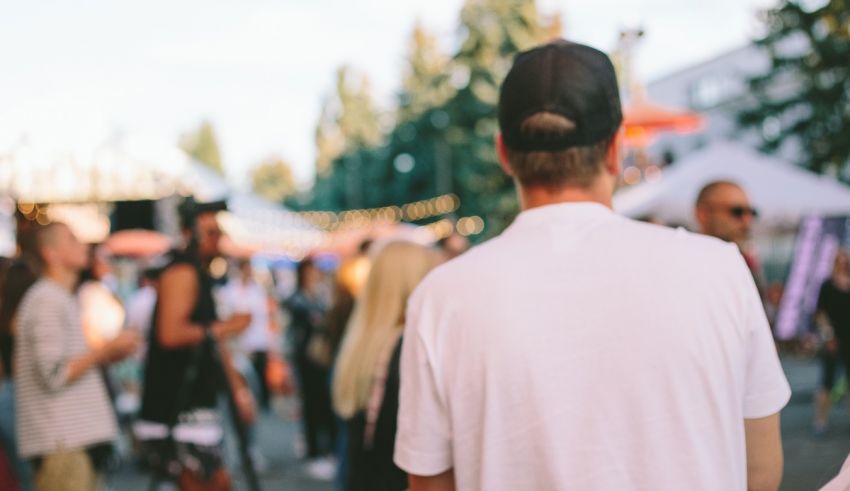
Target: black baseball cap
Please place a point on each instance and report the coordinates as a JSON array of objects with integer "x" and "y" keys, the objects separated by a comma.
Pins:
[{"x": 564, "y": 78}]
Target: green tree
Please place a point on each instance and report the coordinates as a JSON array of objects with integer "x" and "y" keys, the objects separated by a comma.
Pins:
[
  {"x": 348, "y": 131},
  {"x": 273, "y": 179},
  {"x": 202, "y": 145},
  {"x": 443, "y": 139},
  {"x": 805, "y": 95},
  {"x": 425, "y": 82},
  {"x": 348, "y": 120},
  {"x": 495, "y": 31}
]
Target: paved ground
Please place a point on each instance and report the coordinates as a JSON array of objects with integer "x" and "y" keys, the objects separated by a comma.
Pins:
[
  {"x": 277, "y": 436},
  {"x": 810, "y": 461}
]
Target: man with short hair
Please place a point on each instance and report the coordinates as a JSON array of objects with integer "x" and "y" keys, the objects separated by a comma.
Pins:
[
  {"x": 65, "y": 419},
  {"x": 179, "y": 421},
  {"x": 723, "y": 210},
  {"x": 244, "y": 294},
  {"x": 580, "y": 349}
]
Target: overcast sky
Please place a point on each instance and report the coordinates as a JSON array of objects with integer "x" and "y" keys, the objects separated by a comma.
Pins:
[{"x": 72, "y": 73}]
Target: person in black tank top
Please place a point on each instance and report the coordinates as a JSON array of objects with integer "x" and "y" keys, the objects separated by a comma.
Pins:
[
  {"x": 161, "y": 383},
  {"x": 185, "y": 315}
]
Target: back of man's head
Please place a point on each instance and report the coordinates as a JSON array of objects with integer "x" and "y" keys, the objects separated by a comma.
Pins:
[{"x": 559, "y": 112}]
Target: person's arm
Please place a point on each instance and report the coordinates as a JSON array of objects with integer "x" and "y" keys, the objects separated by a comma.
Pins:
[
  {"x": 178, "y": 291},
  {"x": 440, "y": 482},
  {"x": 766, "y": 392},
  {"x": 47, "y": 334},
  {"x": 423, "y": 444},
  {"x": 115, "y": 350},
  {"x": 764, "y": 453}
]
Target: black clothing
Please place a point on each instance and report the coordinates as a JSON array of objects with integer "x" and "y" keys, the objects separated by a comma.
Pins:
[
  {"x": 318, "y": 419},
  {"x": 829, "y": 364},
  {"x": 307, "y": 319},
  {"x": 260, "y": 362},
  {"x": 371, "y": 467},
  {"x": 835, "y": 305},
  {"x": 17, "y": 280},
  {"x": 165, "y": 369},
  {"x": 7, "y": 343}
]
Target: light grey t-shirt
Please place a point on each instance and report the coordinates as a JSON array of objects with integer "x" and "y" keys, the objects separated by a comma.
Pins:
[{"x": 54, "y": 415}]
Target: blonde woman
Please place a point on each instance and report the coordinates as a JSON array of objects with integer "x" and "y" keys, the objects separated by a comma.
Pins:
[{"x": 366, "y": 378}]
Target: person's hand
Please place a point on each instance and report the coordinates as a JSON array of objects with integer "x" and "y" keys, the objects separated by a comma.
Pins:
[
  {"x": 240, "y": 322},
  {"x": 235, "y": 325},
  {"x": 124, "y": 345},
  {"x": 245, "y": 405}
]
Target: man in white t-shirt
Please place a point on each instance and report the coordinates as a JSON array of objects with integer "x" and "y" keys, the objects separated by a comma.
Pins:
[
  {"x": 244, "y": 294},
  {"x": 579, "y": 349}
]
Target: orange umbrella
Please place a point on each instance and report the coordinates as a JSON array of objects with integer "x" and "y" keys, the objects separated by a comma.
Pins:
[
  {"x": 138, "y": 243},
  {"x": 643, "y": 120}
]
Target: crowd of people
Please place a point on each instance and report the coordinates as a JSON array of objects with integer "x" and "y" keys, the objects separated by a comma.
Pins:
[{"x": 541, "y": 359}]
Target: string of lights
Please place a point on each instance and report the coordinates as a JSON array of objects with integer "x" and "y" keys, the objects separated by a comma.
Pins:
[{"x": 418, "y": 210}]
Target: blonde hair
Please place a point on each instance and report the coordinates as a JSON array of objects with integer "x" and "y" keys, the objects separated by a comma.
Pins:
[{"x": 377, "y": 321}]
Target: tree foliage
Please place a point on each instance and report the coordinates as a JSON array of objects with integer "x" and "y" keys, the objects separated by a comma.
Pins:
[
  {"x": 202, "y": 145},
  {"x": 349, "y": 120},
  {"x": 443, "y": 137},
  {"x": 804, "y": 98},
  {"x": 273, "y": 179}
]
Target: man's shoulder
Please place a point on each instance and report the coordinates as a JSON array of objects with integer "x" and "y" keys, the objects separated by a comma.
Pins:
[
  {"x": 677, "y": 240},
  {"x": 463, "y": 273},
  {"x": 475, "y": 259}
]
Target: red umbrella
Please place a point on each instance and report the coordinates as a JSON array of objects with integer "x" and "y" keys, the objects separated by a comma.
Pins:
[
  {"x": 643, "y": 120},
  {"x": 138, "y": 243}
]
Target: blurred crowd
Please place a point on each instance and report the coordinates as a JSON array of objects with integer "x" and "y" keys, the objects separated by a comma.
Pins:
[
  {"x": 95, "y": 373},
  {"x": 464, "y": 378},
  {"x": 319, "y": 341}
]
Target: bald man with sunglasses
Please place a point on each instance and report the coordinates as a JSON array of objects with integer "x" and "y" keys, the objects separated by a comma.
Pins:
[{"x": 723, "y": 210}]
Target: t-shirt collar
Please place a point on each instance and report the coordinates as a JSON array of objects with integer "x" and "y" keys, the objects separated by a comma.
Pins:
[{"x": 564, "y": 212}]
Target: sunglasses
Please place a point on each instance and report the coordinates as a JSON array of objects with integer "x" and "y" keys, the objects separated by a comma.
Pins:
[{"x": 742, "y": 211}]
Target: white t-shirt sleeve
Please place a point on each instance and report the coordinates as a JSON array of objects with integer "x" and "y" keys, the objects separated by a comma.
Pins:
[
  {"x": 766, "y": 389},
  {"x": 423, "y": 442}
]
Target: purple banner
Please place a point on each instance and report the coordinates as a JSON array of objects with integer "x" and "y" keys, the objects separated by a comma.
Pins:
[{"x": 817, "y": 243}]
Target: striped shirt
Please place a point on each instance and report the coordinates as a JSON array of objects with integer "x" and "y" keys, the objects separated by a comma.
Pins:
[{"x": 55, "y": 415}]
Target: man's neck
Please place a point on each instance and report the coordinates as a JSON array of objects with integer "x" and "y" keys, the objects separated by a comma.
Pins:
[
  {"x": 63, "y": 277},
  {"x": 537, "y": 196}
]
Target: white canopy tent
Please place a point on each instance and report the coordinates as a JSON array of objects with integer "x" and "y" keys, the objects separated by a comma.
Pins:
[
  {"x": 127, "y": 167},
  {"x": 783, "y": 193},
  {"x": 134, "y": 167}
]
